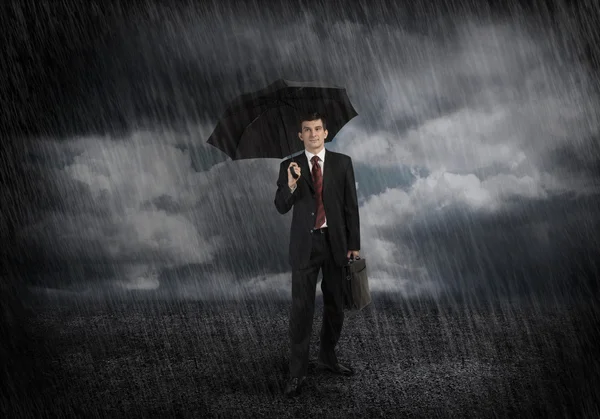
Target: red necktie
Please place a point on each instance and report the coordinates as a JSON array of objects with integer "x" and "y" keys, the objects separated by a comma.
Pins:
[{"x": 318, "y": 182}]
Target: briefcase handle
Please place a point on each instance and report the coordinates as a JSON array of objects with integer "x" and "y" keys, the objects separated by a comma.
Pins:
[{"x": 350, "y": 260}]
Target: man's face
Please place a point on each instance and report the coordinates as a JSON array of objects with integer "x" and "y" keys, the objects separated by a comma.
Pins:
[{"x": 313, "y": 135}]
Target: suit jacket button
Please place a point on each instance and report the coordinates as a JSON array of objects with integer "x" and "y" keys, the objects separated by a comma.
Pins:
[{"x": 312, "y": 213}]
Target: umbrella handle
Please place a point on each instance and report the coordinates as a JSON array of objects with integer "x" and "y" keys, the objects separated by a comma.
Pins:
[{"x": 293, "y": 172}]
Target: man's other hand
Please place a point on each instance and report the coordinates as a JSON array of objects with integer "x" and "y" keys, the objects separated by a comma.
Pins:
[{"x": 355, "y": 253}]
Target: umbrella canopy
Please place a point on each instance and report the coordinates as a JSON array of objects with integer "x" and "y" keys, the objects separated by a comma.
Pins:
[{"x": 264, "y": 123}]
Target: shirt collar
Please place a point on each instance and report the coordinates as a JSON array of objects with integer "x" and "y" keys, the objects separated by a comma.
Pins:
[{"x": 310, "y": 155}]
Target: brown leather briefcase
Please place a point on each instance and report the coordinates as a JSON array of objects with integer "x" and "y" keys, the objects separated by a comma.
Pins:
[{"x": 356, "y": 285}]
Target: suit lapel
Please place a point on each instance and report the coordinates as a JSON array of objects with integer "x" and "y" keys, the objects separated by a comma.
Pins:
[
  {"x": 306, "y": 169},
  {"x": 326, "y": 173}
]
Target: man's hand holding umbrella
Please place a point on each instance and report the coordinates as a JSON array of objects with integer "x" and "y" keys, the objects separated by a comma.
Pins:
[{"x": 293, "y": 168}]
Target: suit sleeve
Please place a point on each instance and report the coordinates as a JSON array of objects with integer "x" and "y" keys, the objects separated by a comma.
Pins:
[
  {"x": 284, "y": 199},
  {"x": 351, "y": 210}
]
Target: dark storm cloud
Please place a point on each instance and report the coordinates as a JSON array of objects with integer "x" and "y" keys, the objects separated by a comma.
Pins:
[
  {"x": 117, "y": 66},
  {"x": 458, "y": 117},
  {"x": 579, "y": 158},
  {"x": 545, "y": 246}
]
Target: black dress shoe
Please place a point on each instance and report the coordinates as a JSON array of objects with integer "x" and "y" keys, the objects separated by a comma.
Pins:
[
  {"x": 338, "y": 368},
  {"x": 292, "y": 388}
]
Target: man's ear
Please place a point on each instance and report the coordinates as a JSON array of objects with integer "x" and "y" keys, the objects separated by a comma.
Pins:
[{"x": 326, "y": 133}]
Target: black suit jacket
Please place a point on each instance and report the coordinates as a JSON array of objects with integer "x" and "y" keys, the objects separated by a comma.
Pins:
[{"x": 339, "y": 200}]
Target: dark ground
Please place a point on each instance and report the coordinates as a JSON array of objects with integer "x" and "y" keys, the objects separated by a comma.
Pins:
[{"x": 413, "y": 359}]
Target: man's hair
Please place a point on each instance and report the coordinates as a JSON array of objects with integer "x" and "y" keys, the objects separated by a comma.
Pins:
[{"x": 314, "y": 116}]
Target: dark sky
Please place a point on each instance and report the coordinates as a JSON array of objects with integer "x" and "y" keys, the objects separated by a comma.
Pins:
[{"x": 475, "y": 150}]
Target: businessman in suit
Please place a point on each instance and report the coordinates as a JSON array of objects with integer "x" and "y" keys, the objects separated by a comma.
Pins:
[{"x": 324, "y": 234}]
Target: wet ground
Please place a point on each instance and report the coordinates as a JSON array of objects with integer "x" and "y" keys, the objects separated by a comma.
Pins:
[{"x": 412, "y": 359}]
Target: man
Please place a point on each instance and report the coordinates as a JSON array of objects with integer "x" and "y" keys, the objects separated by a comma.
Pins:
[{"x": 324, "y": 234}]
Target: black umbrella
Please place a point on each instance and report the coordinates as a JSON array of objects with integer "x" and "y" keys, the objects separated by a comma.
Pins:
[{"x": 264, "y": 124}]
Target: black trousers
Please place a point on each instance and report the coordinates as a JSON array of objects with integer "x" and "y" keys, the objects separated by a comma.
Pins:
[{"x": 304, "y": 283}]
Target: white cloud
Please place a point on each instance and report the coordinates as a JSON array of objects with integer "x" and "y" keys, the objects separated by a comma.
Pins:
[
  {"x": 129, "y": 172},
  {"x": 386, "y": 282},
  {"x": 508, "y": 185},
  {"x": 386, "y": 209},
  {"x": 227, "y": 286},
  {"x": 140, "y": 277},
  {"x": 441, "y": 189}
]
